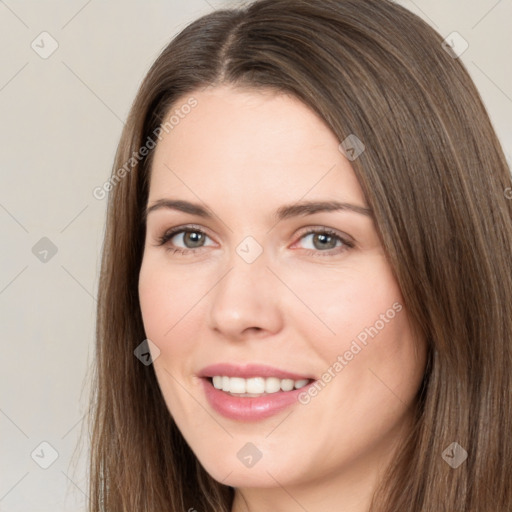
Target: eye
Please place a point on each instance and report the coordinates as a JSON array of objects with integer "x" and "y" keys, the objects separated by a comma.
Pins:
[
  {"x": 191, "y": 238},
  {"x": 318, "y": 241},
  {"x": 324, "y": 240}
]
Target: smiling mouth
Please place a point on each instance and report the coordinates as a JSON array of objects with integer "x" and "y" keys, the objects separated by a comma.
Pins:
[{"x": 254, "y": 387}]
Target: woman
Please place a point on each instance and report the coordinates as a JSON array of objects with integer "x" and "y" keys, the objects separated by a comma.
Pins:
[{"x": 305, "y": 291}]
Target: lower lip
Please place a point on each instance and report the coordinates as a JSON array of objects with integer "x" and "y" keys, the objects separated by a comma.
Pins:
[{"x": 250, "y": 408}]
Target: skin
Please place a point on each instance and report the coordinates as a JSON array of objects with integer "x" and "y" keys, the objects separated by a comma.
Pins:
[{"x": 297, "y": 307}]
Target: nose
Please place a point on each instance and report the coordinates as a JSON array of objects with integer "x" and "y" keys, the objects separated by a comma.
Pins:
[{"x": 246, "y": 302}]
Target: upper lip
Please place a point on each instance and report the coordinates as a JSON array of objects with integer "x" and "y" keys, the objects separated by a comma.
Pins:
[{"x": 247, "y": 371}]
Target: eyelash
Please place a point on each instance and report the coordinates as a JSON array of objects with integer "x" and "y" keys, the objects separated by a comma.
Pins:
[{"x": 192, "y": 229}]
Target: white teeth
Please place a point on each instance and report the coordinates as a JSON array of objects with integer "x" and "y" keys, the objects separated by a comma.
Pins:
[
  {"x": 236, "y": 385},
  {"x": 301, "y": 383},
  {"x": 272, "y": 385},
  {"x": 287, "y": 384},
  {"x": 256, "y": 385}
]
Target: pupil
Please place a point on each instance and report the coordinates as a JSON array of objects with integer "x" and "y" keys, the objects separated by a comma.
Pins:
[
  {"x": 194, "y": 237},
  {"x": 323, "y": 238}
]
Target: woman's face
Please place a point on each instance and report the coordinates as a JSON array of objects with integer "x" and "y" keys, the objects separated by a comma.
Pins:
[{"x": 276, "y": 290}]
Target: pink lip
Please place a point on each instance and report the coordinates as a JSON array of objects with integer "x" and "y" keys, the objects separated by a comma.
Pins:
[
  {"x": 249, "y": 408},
  {"x": 249, "y": 370}
]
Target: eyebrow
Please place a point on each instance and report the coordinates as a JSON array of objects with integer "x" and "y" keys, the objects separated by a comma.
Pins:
[{"x": 284, "y": 212}]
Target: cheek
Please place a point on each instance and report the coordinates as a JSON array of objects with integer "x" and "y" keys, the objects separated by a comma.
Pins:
[
  {"x": 378, "y": 365},
  {"x": 371, "y": 353},
  {"x": 353, "y": 302},
  {"x": 167, "y": 298}
]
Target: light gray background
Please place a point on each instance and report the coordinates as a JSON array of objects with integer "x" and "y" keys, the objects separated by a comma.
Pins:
[{"x": 61, "y": 120}]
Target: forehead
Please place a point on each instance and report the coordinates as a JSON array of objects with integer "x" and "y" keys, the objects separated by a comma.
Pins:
[{"x": 257, "y": 145}]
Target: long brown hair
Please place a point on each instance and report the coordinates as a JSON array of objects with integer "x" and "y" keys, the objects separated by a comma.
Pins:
[{"x": 435, "y": 177}]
